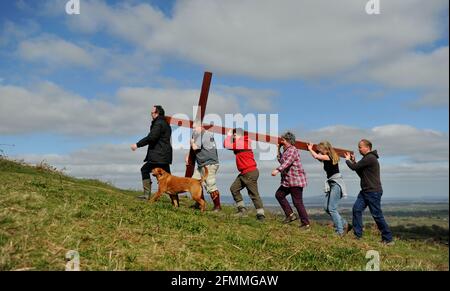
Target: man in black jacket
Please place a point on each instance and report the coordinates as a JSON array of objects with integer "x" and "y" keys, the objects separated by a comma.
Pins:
[
  {"x": 368, "y": 170},
  {"x": 159, "y": 151}
]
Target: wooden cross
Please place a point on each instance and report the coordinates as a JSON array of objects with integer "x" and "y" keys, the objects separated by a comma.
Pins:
[{"x": 202, "y": 102}]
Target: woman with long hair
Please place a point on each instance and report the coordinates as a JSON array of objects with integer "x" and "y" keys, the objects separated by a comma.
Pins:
[{"x": 334, "y": 185}]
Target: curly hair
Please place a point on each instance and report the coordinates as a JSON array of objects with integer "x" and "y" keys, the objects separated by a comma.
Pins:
[{"x": 289, "y": 137}]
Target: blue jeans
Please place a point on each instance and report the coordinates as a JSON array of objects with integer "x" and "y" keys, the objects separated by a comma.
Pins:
[
  {"x": 331, "y": 207},
  {"x": 373, "y": 200}
]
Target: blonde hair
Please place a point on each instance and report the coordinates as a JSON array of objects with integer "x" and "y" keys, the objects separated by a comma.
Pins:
[{"x": 329, "y": 150}]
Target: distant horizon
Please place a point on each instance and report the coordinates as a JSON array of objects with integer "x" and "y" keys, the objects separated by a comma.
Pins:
[{"x": 317, "y": 200}]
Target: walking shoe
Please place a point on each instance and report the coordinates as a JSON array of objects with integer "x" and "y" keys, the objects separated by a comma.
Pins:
[
  {"x": 347, "y": 228},
  {"x": 142, "y": 197},
  {"x": 305, "y": 227},
  {"x": 292, "y": 217},
  {"x": 388, "y": 243},
  {"x": 241, "y": 212},
  {"x": 260, "y": 217}
]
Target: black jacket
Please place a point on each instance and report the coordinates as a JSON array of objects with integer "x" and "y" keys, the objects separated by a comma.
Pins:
[
  {"x": 368, "y": 169},
  {"x": 158, "y": 140}
]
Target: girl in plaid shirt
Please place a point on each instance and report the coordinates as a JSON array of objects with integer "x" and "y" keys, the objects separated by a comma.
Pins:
[{"x": 293, "y": 180}]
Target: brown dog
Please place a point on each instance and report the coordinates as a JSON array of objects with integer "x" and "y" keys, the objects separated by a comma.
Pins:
[{"x": 173, "y": 185}]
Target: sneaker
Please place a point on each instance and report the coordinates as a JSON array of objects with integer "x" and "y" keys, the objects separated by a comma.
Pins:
[
  {"x": 143, "y": 197},
  {"x": 260, "y": 217},
  {"x": 305, "y": 227},
  {"x": 241, "y": 212},
  {"x": 292, "y": 217},
  {"x": 347, "y": 228},
  {"x": 388, "y": 243}
]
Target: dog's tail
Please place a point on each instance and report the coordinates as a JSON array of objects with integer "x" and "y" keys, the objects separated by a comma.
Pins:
[{"x": 203, "y": 179}]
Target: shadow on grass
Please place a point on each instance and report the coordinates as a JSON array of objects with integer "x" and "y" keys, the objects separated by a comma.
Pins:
[{"x": 421, "y": 232}]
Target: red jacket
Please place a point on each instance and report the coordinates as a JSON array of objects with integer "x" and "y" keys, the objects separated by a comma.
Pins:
[{"x": 242, "y": 148}]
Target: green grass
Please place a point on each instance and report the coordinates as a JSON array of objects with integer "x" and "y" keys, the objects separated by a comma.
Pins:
[{"x": 44, "y": 214}]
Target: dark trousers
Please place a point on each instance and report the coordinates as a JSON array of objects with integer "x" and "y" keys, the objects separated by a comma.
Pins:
[
  {"x": 373, "y": 200},
  {"x": 297, "y": 199},
  {"x": 148, "y": 167}
]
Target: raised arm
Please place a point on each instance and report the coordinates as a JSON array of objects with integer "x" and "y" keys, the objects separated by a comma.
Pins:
[
  {"x": 356, "y": 166},
  {"x": 317, "y": 156},
  {"x": 228, "y": 142}
]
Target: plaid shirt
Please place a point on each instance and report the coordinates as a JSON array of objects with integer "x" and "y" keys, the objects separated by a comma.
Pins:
[{"x": 291, "y": 169}]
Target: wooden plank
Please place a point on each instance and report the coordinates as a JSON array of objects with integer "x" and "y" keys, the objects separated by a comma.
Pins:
[
  {"x": 202, "y": 102},
  {"x": 254, "y": 136}
]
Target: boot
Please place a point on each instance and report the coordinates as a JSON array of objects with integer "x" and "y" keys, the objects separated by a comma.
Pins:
[
  {"x": 147, "y": 185},
  {"x": 215, "y": 196},
  {"x": 241, "y": 212}
]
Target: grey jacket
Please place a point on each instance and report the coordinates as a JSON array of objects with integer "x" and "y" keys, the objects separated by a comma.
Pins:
[
  {"x": 340, "y": 181},
  {"x": 368, "y": 169}
]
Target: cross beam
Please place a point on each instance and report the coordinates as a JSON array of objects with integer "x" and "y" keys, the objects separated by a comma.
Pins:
[
  {"x": 254, "y": 136},
  {"x": 202, "y": 102}
]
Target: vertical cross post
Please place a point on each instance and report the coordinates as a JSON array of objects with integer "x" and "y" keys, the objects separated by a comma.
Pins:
[{"x": 202, "y": 102}]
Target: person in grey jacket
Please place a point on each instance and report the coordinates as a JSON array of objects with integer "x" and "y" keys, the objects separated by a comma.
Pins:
[
  {"x": 206, "y": 156},
  {"x": 368, "y": 170}
]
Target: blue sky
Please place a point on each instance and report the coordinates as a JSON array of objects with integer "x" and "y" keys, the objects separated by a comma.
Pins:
[{"x": 79, "y": 85}]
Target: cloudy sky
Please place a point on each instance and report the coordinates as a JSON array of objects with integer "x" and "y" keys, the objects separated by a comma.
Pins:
[{"x": 76, "y": 90}]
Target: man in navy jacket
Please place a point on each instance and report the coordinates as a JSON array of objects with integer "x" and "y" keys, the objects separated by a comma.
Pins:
[{"x": 159, "y": 151}]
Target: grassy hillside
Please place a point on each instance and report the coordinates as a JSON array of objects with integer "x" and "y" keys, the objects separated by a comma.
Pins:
[{"x": 44, "y": 214}]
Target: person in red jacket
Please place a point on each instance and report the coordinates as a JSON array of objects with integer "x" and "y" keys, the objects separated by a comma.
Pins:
[{"x": 248, "y": 176}]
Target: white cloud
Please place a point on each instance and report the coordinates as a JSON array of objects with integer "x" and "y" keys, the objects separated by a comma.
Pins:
[
  {"x": 304, "y": 39},
  {"x": 257, "y": 99},
  {"x": 129, "y": 68},
  {"x": 54, "y": 51},
  {"x": 392, "y": 140},
  {"x": 49, "y": 53},
  {"x": 109, "y": 64},
  {"x": 11, "y": 32},
  {"x": 293, "y": 39},
  {"x": 426, "y": 72},
  {"x": 133, "y": 22},
  {"x": 297, "y": 38},
  {"x": 48, "y": 108}
]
